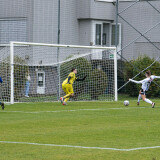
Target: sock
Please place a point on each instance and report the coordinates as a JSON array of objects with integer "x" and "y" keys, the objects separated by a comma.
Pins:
[
  {"x": 0, "y": 103},
  {"x": 66, "y": 99},
  {"x": 66, "y": 96},
  {"x": 139, "y": 97},
  {"x": 148, "y": 101}
]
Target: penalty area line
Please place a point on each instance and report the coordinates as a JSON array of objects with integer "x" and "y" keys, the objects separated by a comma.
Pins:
[{"x": 80, "y": 147}]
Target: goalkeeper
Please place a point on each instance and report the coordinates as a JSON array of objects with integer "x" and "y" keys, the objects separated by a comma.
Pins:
[
  {"x": 1, "y": 103},
  {"x": 67, "y": 85}
]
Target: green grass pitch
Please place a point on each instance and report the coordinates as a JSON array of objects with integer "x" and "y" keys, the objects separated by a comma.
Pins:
[{"x": 84, "y": 124}]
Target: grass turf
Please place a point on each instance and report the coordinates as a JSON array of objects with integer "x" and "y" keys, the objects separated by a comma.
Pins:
[{"x": 109, "y": 127}]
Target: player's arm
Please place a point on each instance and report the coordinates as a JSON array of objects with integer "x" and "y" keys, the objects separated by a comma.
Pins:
[
  {"x": 134, "y": 81},
  {"x": 81, "y": 79},
  {"x": 69, "y": 77},
  {"x": 156, "y": 77}
]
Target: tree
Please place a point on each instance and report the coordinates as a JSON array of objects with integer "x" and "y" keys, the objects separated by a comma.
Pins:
[{"x": 97, "y": 83}]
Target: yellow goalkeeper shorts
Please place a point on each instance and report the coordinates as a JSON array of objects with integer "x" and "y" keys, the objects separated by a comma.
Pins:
[{"x": 67, "y": 88}]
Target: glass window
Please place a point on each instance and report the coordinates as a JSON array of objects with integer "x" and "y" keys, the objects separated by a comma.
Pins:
[
  {"x": 40, "y": 79},
  {"x": 12, "y": 30},
  {"x": 113, "y": 42},
  {"x": 104, "y": 39},
  {"x": 98, "y": 34}
]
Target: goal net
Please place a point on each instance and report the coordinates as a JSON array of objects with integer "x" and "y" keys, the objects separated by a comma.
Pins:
[{"x": 34, "y": 72}]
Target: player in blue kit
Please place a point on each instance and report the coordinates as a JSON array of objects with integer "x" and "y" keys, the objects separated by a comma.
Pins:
[{"x": 1, "y": 103}]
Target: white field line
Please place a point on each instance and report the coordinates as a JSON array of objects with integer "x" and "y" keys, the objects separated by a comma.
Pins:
[
  {"x": 59, "y": 111},
  {"x": 81, "y": 147}
]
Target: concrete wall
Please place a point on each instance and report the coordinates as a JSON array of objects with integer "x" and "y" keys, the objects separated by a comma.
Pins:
[
  {"x": 142, "y": 16},
  {"x": 18, "y": 9},
  {"x": 85, "y": 32},
  {"x": 91, "y": 9}
]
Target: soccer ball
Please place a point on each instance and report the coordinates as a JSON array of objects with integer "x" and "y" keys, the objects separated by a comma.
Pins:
[{"x": 126, "y": 103}]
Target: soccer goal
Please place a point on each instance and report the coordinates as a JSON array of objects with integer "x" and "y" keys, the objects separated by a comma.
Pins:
[{"x": 34, "y": 72}]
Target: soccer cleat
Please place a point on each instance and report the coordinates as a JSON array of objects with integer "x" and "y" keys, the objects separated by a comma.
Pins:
[
  {"x": 153, "y": 104},
  {"x": 62, "y": 99},
  {"x": 137, "y": 103},
  {"x": 2, "y": 105},
  {"x": 64, "y": 103},
  {"x": 26, "y": 96}
]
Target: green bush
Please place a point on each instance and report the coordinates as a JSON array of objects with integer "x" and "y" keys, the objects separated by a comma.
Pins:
[
  {"x": 97, "y": 83},
  {"x": 81, "y": 64},
  {"x": 141, "y": 63}
]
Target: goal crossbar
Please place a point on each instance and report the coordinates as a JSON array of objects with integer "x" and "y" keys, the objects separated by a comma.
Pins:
[{"x": 61, "y": 45}]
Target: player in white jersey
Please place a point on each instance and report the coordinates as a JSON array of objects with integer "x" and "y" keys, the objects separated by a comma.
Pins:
[{"x": 145, "y": 86}]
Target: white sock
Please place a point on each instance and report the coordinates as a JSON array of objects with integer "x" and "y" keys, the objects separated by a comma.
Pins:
[
  {"x": 139, "y": 97},
  {"x": 148, "y": 101}
]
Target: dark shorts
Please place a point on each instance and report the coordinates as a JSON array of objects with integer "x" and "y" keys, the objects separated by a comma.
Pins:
[{"x": 143, "y": 92}]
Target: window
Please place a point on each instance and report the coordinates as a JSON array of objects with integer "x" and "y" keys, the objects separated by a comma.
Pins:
[
  {"x": 104, "y": 39},
  {"x": 98, "y": 34},
  {"x": 40, "y": 79},
  {"x": 105, "y": 34},
  {"x": 41, "y": 82},
  {"x": 113, "y": 42},
  {"x": 13, "y": 30}
]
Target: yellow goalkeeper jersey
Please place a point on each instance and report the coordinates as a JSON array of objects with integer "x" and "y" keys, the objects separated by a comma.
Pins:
[{"x": 71, "y": 80}]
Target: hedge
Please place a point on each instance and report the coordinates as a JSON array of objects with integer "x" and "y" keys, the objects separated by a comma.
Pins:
[{"x": 141, "y": 63}]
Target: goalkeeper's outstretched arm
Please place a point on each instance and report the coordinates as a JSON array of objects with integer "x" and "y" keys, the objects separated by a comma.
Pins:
[{"x": 81, "y": 79}]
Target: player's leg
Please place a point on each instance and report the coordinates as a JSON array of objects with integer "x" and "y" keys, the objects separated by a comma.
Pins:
[
  {"x": 65, "y": 90},
  {"x": 69, "y": 95},
  {"x": 147, "y": 100},
  {"x": 2, "y": 105},
  {"x": 139, "y": 97},
  {"x": 27, "y": 88},
  {"x": 69, "y": 91},
  {"x": 66, "y": 98}
]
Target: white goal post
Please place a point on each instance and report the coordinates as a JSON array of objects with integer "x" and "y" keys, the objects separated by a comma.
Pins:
[{"x": 42, "y": 65}]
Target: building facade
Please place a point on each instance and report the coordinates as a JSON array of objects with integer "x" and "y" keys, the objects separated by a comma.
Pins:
[{"x": 82, "y": 22}]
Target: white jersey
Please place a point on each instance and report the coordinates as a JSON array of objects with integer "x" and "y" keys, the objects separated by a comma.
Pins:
[{"x": 145, "y": 82}]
